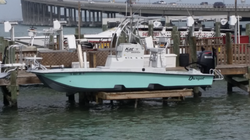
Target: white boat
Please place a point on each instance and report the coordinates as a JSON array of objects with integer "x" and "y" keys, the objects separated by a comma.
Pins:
[{"x": 125, "y": 70}]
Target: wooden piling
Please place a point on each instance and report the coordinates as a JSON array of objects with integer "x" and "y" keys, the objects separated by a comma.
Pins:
[
  {"x": 193, "y": 50},
  {"x": 248, "y": 80},
  {"x": 71, "y": 97},
  {"x": 92, "y": 59},
  {"x": 176, "y": 45},
  {"x": 10, "y": 91},
  {"x": 150, "y": 29},
  {"x": 83, "y": 100},
  {"x": 217, "y": 29},
  {"x": 13, "y": 87},
  {"x": 6, "y": 93},
  {"x": 248, "y": 30},
  {"x": 229, "y": 49},
  {"x": 229, "y": 84},
  {"x": 2, "y": 45}
]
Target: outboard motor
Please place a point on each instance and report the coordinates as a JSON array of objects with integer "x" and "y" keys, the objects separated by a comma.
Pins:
[{"x": 205, "y": 60}]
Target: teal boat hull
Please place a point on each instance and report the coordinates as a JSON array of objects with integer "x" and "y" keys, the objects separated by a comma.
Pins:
[{"x": 121, "y": 81}]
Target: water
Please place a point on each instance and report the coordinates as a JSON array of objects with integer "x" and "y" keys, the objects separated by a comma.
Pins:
[{"x": 45, "y": 114}]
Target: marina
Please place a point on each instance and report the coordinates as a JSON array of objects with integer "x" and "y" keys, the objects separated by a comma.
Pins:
[
  {"x": 143, "y": 79},
  {"x": 47, "y": 60}
]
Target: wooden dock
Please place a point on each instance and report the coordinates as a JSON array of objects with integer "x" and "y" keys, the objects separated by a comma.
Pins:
[
  {"x": 233, "y": 61},
  {"x": 23, "y": 78}
]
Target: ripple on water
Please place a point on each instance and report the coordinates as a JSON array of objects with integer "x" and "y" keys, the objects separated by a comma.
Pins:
[{"x": 45, "y": 114}]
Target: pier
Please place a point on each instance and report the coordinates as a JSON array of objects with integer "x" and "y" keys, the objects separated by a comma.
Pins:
[{"x": 232, "y": 60}]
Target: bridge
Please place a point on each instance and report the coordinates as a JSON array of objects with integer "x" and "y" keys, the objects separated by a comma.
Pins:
[{"x": 44, "y": 12}]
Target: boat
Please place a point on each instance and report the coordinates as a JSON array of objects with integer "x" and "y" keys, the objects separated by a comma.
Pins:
[{"x": 125, "y": 71}]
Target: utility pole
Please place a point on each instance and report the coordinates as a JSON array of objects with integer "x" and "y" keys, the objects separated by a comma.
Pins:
[
  {"x": 236, "y": 25},
  {"x": 130, "y": 7}
]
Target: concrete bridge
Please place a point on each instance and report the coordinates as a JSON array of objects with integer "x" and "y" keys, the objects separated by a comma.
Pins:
[{"x": 43, "y": 12}]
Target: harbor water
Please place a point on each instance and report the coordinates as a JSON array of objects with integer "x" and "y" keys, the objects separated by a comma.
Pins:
[
  {"x": 44, "y": 114},
  {"x": 22, "y": 30}
]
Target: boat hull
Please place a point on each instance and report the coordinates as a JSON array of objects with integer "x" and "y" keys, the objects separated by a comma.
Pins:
[{"x": 121, "y": 81}]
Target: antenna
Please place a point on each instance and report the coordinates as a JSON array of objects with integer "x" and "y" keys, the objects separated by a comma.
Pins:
[{"x": 8, "y": 27}]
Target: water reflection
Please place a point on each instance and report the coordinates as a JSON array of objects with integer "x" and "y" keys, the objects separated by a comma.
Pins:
[{"x": 46, "y": 114}]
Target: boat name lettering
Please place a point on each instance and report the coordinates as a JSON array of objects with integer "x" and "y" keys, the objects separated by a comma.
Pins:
[
  {"x": 196, "y": 78},
  {"x": 132, "y": 50},
  {"x": 129, "y": 49}
]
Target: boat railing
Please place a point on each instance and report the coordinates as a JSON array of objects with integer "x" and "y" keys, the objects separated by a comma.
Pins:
[{"x": 217, "y": 74}]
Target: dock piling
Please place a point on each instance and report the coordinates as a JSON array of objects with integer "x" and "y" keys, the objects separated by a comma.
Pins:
[
  {"x": 176, "y": 44},
  {"x": 248, "y": 30},
  {"x": 248, "y": 73},
  {"x": 229, "y": 49},
  {"x": 71, "y": 97},
  {"x": 83, "y": 100},
  {"x": 193, "y": 50}
]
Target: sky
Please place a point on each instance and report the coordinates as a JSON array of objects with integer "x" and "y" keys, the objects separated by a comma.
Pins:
[{"x": 12, "y": 10}]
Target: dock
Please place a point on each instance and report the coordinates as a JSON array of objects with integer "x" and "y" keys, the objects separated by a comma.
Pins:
[{"x": 232, "y": 60}]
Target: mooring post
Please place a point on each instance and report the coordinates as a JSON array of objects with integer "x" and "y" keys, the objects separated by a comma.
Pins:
[
  {"x": 76, "y": 32},
  {"x": 71, "y": 97},
  {"x": 13, "y": 87},
  {"x": 2, "y": 46},
  {"x": 176, "y": 44},
  {"x": 193, "y": 49},
  {"x": 92, "y": 59},
  {"x": 229, "y": 53},
  {"x": 229, "y": 85},
  {"x": 57, "y": 47},
  {"x": 217, "y": 29},
  {"x": 6, "y": 93},
  {"x": 83, "y": 99},
  {"x": 12, "y": 90},
  {"x": 229, "y": 49},
  {"x": 150, "y": 29},
  {"x": 248, "y": 73},
  {"x": 248, "y": 31},
  {"x": 217, "y": 32}
]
